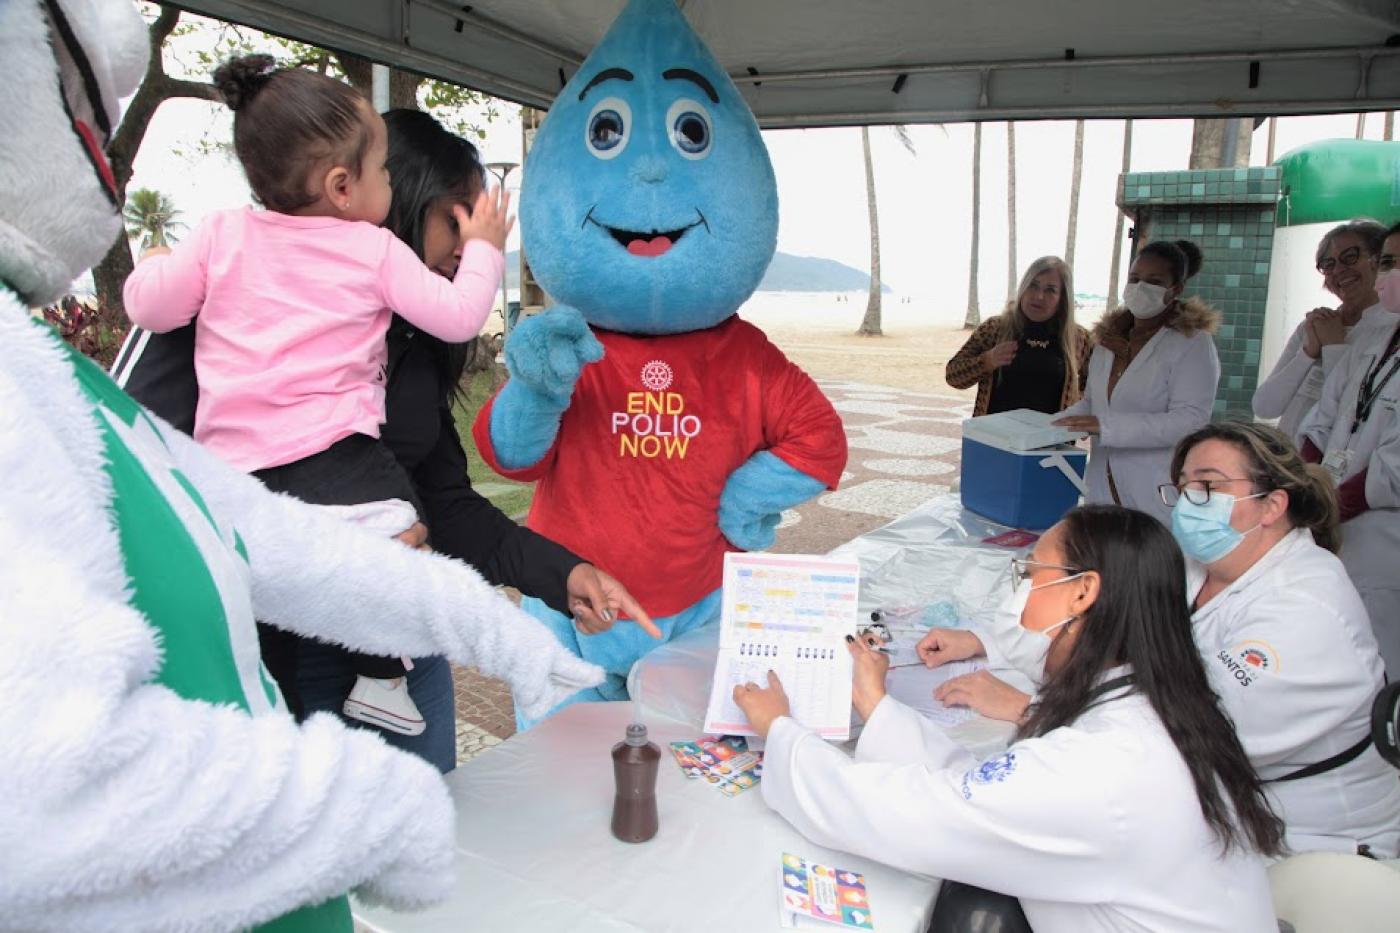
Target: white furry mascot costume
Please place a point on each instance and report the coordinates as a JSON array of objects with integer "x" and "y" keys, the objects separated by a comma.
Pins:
[{"x": 150, "y": 777}]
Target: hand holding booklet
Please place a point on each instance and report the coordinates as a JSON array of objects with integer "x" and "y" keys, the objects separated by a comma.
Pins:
[{"x": 790, "y": 614}]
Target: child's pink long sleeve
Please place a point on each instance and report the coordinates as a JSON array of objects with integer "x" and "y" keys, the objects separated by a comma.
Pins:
[
  {"x": 454, "y": 311},
  {"x": 292, "y": 314},
  {"x": 165, "y": 292}
]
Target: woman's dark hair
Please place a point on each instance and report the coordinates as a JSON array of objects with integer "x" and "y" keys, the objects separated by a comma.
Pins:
[
  {"x": 1140, "y": 619},
  {"x": 1273, "y": 463},
  {"x": 426, "y": 165},
  {"x": 1183, "y": 256},
  {"x": 285, "y": 122},
  {"x": 1394, "y": 229}
]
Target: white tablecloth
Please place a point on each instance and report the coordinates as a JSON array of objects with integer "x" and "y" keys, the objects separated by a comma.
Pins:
[
  {"x": 534, "y": 851},
  {"x": 534, "y": 848}
]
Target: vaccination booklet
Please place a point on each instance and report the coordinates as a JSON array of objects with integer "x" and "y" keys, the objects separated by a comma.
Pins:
[
  {"x": 789, "y": 613},
  {"x": 820, "y": 892}
]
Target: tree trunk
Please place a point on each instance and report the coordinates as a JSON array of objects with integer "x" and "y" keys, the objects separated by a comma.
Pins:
[
  {"x": 156, "y": 87},
  {"x": 403, "y": 85},
  {"x": 1208, "y": 143},
  {"x": 1075, "y": 174},
  {"x": 1011, "y": 267},
  {"x": 870, "y": 326},
  {"x": 974, "y": 312},
  {"x": 1114, "y": 266}
]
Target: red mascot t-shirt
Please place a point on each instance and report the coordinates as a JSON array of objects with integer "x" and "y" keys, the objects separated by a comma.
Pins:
[{"x": 654, "y": 430}]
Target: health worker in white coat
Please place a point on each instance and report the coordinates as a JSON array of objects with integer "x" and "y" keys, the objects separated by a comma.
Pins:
[
  {"x": 1125, "y": 802},
  {"x": 1284, "y": 634},
  {"x": 1354, "y": 431},
  {"x": 1346, "y": 257},
  {"x": 1279, "y": 626},
  {"x": 1152, "y": 379}
]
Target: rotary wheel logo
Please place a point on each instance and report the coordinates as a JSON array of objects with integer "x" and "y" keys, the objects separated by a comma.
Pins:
[{"x": 657, "y": 376}]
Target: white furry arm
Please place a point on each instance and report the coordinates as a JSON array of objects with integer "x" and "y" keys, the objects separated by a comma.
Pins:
[
  {"x": 125, "y": 807},
  {"x": 314, "y": 575}
]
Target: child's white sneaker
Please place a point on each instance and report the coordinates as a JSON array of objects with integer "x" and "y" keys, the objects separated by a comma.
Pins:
[{"x": 386, "y": 704}]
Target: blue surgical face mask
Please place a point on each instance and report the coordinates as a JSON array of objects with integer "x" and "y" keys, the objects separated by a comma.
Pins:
[{"x": 1204, "y": 531}]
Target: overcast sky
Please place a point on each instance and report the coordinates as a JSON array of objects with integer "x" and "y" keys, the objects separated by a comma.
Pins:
[{"x": 925, "y": 197}]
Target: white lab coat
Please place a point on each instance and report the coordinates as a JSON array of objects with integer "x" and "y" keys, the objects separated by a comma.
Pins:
[
  {"x": 1295, "y": 384},
  {"x": 1095, "y": 826},
  {"x": 1167, "y": 392},
  {"x": 1371, "y": 540},
  {"x": 1290, "y": 653}
]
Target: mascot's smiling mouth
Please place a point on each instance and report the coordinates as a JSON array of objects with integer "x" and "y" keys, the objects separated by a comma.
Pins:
[{"x": 648, "y": 243}]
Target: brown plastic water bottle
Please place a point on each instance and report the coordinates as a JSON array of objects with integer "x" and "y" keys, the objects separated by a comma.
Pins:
[{"x": 635, "y": 762}]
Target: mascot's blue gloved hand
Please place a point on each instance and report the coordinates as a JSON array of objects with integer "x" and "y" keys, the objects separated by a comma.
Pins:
[
  {"x": 754, "y": 498},
  {"x": 545, "y": 356},
  {"x": 547, "y": 352}
]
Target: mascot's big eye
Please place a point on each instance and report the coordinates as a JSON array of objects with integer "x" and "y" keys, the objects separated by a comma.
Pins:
[
  {"x": 688, "y": 126},
  {"x": 609, "y": 126}
]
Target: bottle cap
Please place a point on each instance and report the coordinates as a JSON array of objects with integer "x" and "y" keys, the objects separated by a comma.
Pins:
[{"x": 636, "y": 734}]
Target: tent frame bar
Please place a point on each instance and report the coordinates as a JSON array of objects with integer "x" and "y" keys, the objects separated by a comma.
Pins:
[
  {"x": 1364, "y": 54},
  {"x": 1223, "y": 109},
  {"x": 261, "y": 13}
]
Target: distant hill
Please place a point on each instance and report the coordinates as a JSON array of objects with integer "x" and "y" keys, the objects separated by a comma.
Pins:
[{"x": 786, "y": 273}]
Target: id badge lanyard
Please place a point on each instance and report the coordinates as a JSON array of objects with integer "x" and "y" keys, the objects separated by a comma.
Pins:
[{"x": 1375, "y": 383}]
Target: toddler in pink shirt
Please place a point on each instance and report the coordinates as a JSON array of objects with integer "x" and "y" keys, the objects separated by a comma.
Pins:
[{"x": 292, "y": 304}]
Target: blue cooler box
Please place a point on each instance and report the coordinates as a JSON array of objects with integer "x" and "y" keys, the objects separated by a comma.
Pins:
[{"x": 1019, "y": 470}]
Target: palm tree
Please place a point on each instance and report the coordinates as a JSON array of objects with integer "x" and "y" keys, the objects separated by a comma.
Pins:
[
  {"x": 150, "y": 216},
  {"x": 1112, "y": 303},
  {"x": 1011, "y": 210},
  {"x": 1075, "y": 175},
  {"x": 974, "y": 313},
  {"x": 870, "y": 324}
]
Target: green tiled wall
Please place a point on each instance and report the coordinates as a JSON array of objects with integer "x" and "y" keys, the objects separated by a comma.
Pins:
[{"x": 1229, "y": 214}]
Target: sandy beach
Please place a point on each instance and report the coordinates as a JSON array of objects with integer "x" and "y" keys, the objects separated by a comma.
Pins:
[{"x": 817, "y": 331}]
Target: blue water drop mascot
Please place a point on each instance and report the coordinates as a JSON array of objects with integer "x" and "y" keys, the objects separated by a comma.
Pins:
[{"x": 661, "y": 428}]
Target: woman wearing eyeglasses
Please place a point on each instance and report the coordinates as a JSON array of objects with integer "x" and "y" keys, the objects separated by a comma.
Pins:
[
  {"x": 1354, "y": 432},
  {"x": 1284, "y": 633},
  {"x": 1152, "y": 378},
  {"x": 1125, "y": 802},
  {"x": 1281, "y": 629},
  {"x": 1346, "y": 257}
]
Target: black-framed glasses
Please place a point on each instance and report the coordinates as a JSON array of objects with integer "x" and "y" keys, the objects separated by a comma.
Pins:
[
  {"x": 1347, "y": 257},
  {"x": 1023, "y": 567},
  {"x": 1198, "y": 491}
]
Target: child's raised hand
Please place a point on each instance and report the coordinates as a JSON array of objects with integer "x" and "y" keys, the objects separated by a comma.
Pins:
[{"x": 488, "y": 220}]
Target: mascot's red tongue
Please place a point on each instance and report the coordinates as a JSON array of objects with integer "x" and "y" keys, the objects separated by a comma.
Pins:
[{"x": 653, "y": 247}]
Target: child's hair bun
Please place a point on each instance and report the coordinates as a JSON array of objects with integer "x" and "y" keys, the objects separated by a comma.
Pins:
[{"x": 240, "y": 79}]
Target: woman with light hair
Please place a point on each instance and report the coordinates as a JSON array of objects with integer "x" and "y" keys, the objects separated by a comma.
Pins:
[
  {"x": 1346, "y": 258},
  {"x": 1032, "y": 355}
]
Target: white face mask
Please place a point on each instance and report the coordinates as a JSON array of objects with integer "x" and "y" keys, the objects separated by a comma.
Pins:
[
  {"x": 1144, "y": 300},
  {"x": 1023, "y": 648}
]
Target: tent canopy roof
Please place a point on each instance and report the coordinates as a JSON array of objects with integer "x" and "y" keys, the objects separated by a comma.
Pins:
[{"x": 843, "y": 62}]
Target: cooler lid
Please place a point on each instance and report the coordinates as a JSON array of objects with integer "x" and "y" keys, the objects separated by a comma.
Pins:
[{"x": 1022, "y": 429}]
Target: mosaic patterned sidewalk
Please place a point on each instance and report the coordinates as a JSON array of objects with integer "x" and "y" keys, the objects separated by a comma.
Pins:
[{"x": 905, "y": 448}]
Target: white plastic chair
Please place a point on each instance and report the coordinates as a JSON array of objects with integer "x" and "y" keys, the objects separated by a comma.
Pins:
[{"x": 1325, "y": 892}]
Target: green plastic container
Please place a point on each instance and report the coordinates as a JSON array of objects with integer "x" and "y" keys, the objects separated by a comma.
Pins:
[{"x": 1336, "y": 180}]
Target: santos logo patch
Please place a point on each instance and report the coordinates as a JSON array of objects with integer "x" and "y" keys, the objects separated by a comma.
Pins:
[
  {"x": 1258, "y": 655},
  {"x": 1248, "y": 660}
]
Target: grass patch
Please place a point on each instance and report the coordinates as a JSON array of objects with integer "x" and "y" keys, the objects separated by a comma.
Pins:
[{"x": 509, "y": 496}]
